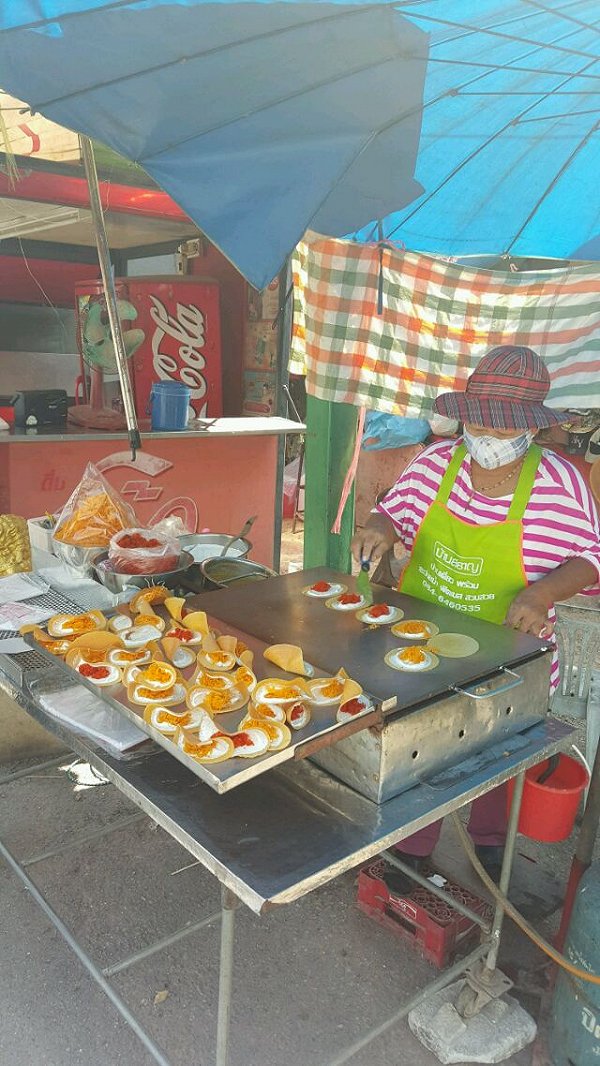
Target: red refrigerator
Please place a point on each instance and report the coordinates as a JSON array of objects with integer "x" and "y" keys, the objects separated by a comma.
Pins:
[{"x": 172, "y": 332}]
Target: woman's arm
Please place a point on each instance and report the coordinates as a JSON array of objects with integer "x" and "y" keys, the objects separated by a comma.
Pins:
[
  {"x": 528, "y": 611},
  {"x": 374, "y": 539}
]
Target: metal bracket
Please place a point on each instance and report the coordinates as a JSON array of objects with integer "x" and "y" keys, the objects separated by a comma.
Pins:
[{"x": 481, "y": 986}]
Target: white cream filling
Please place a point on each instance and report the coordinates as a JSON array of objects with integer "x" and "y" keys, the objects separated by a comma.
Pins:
[
  {"x": 356, "y": 606},
  {"x": 139, "y": 635}
]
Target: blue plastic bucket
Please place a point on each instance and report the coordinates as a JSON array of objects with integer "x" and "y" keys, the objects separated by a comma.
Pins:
[{"x": 169, "y": 405}]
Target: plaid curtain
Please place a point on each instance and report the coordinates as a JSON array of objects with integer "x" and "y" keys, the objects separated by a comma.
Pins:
[{"x": 437, "y": 319}]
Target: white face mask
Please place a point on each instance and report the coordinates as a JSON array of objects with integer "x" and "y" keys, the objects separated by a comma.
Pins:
[{"x": 493, "y": 452}]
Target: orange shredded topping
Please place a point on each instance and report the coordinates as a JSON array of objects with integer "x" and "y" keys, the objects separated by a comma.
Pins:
[
  {"x": 156, "y": 672},
  {"x": 150, "y": 694},
  {"x": 412, "y": 655},
  {"x": 414, "y": 627},
  {"x": 56, "y": 647},
  {"x": 206, "y": 681},
  {"x": 245, "y": 677},
  {"x": 281, "y": 692},
  {"x": 147, "y": 620},
  {"x": 174, "y": 719},
  {"x": 152, "y": 595},
  {"x": 216, "y": 701},
  {"x": 80, "y": 623},
  {"x": 217, "y": 656},
  {"x": 334, "y": 688},
  {"x": 262, "y": 710},
  {"x": 192, "y": 748},
  {"x": 131, "y": 656},
  {"x": 93, "y": 655}
]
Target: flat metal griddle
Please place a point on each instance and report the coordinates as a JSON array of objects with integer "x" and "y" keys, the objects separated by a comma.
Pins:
[
  {"x": 277, "y": 611},
  {"x": 235, "y": 771}
]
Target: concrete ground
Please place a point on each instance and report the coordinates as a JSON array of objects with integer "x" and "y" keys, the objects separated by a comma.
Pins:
[{"x": 316, "y": 983}]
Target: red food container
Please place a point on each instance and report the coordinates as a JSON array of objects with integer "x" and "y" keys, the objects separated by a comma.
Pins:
[{"x": 178, "y": 320}]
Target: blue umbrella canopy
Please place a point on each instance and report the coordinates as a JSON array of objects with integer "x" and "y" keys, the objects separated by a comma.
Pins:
[
  {"x": 510, "y": 142},
  {"x": 259, "y": 119}
]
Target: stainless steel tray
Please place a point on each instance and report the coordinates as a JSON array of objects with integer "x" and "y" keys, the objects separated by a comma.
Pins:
[{"x": 223, "y": 777}]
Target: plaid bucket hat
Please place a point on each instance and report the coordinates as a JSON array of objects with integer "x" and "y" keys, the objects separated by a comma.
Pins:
[{"x": 505, "y": 391}]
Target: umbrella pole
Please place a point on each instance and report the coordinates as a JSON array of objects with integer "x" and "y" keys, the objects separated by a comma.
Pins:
[{"x": 91, "y": 174}]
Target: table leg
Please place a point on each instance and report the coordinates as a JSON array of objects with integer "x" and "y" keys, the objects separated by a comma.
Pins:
[
  {"x": 229, "y": 904},
  {"x": 509, "y": 853}
]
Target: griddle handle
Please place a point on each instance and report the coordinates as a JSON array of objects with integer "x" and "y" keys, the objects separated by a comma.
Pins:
[
  {"x": 474, "y": 695},
  {"x": 365, "y": 721}
]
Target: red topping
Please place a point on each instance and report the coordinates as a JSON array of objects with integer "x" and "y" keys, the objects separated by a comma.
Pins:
[
  {"x": 379, "y": 610},
  {"x": 242, "y": 740},
  {"x": 296, "y": 712},
  {"x": 321, "y": 586},
  {"x": 182, "y": 634},
  {"x": 350, "y": 597},
  {"x": 352, "y": 707},
  {"x": 97, "y": 672},
  {"x": 136, "y": 540}
]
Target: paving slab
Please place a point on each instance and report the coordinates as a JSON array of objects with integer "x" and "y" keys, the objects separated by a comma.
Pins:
[
  {"x": 43, "y": 811},
  {"x": 119, "y": 894},
  {"x": 309, "y": 978},
  {"x": 53, "y": 1014}
]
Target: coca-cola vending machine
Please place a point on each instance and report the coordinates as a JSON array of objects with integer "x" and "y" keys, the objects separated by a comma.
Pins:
[{"x": 175, "y": 332}]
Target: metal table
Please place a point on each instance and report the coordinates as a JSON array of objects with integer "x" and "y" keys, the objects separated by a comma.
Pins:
[{"x": 328, "y": 829}]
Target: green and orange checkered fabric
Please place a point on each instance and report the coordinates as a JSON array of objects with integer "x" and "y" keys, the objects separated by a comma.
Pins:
[{"x": 437, "y": 320}]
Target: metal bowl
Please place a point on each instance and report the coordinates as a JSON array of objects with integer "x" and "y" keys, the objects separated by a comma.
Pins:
[
  {"x": 231, "y": 573},
  {"x": 81, "y": 559},
  {"x": 119, "y": 582},
  {"x": 202, "y": 541}
]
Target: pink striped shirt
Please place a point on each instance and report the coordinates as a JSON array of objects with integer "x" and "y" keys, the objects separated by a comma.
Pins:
[{"x": 560, "y": 520}]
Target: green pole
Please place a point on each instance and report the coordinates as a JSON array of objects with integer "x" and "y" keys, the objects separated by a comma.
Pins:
[{"x": 330, "y": 438}]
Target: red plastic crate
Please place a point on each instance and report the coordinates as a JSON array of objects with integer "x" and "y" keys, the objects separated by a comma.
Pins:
[{"x": 419, "y": 917}]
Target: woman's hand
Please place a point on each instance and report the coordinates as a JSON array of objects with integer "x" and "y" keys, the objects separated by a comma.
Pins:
[
  {"x": 528, "y": 612},
  {"x": 374, "y": 540}
]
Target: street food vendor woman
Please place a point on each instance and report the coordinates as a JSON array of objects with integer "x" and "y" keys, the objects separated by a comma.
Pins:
[{"x": 524, "y": 513}]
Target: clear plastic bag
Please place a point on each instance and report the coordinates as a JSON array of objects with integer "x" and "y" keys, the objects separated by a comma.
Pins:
[
  {"x": 94, "y": 513},
  {"x": 143, "y": 551}
]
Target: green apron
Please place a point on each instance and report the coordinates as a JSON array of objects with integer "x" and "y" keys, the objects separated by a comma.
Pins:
[{"x": 476, "y": 569}]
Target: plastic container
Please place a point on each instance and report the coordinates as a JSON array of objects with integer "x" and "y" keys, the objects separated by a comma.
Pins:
[
  {"x": 143, "y": 551},
  {"x": 169, "y": 405},
  {"x": 548, "y": 810}
]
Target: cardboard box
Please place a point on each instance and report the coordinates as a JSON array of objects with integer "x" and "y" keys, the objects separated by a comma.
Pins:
[
  {"x": 265, "y": 304},
  {"x": 259, "y": 392},
  {"x": 260, "y": 346}
]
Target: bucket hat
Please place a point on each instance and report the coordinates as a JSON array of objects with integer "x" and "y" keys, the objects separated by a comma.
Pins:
[{"x": 506, "y": 390}]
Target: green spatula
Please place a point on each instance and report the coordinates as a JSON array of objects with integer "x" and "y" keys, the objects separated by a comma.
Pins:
[{"x": 363, "y": 585}]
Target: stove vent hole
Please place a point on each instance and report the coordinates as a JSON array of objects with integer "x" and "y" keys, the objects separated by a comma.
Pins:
[
  {"x": 461, "y": 734},
  {"x": 415, "y": 755},
  {"x": 509, "y": 710}
]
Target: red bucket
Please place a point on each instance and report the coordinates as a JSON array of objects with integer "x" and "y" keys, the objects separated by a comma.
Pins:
[{"x": 548, "y": 810}]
